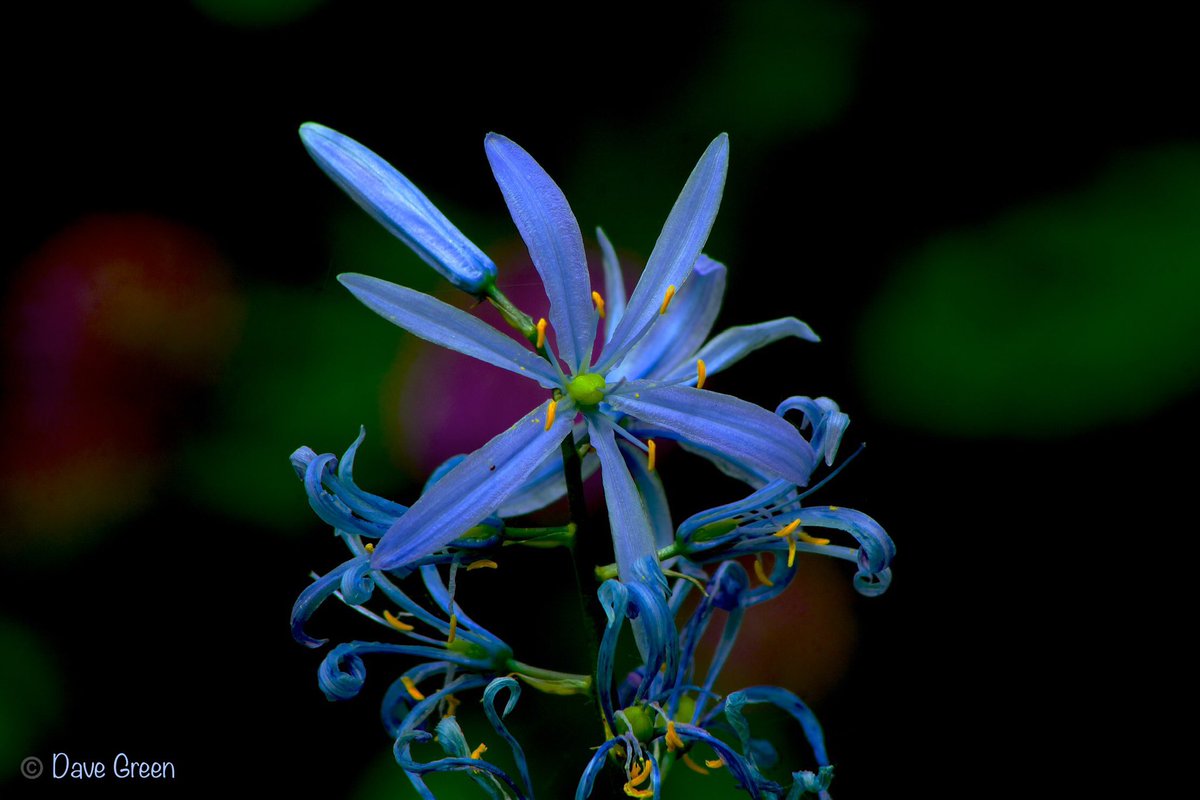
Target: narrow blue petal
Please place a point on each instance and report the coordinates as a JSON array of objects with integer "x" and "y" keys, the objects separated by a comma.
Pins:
[
  {"x": 632, "y": 529},
  {"x": 739, "y": 767},
  {"x": 614, "y": 599},
  {"x": 734, "y": 344},
  {"x": 672, "y": 341},
  {"x": 614, "y": 285},
  {"x": 682, "y": 238},
  {"x": 443, "y": 324},
  {"x": 793, "y": 705},
  {"x": 548, "y": 226},
  {"x": 489, "y": 708},
  {"x": 828, "y": 422},
  {"x": 400, "y": 207},
  {"x": 314, "y": 595},
  {"x": 725, "y": 424},
  {"x": 594, "y": 765},
  {"x": 650, "y": 487},
  {"x": 547, "y": 484},
  {"x": 474, "y": 489}
]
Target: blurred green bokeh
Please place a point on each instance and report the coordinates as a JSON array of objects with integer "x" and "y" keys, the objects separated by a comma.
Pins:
[
  {"x": 1053, "y": 318},
  {"x": 30, "y": 695},
  {"x": 256, "y": 13}
]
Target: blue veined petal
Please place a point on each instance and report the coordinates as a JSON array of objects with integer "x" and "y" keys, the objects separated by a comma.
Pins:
[
  {"x": 614, "y": 285},
  {"x": 741, "y": 768},
  {"x": 828, "y": 422},
  {"x": 785, "y": 700},
  {"x": 725, "y": 424},
  {"x": 400, "y": 207},
  {"x": 594, "y": 765},
  {"x": 550, "y": 231},
  {"x": 632, "y": 529},
  {"x": 342, "y": 673},
  {"x": 316, "y": 593},
  {"x": 547, "y": 484},
  {"x": 732, "y": 345},
  {"x": 682, "y": 238},
  {"x": 496, "y": 718},
  {"x": 650, "y": 487},
  {"x": 672, "y": 342},
  {"x": 474, "y": 489},
  {"x": 445, "y": 325},
  {"x": 398, "y": 700}
]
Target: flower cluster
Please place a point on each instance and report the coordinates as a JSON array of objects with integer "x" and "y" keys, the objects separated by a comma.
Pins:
[{"x": 621, "y": 373}]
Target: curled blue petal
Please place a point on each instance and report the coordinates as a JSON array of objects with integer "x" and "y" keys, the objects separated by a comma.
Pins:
[
  {"x": 357, "y": 584},
  {"x": 674, "y": 254},
  {"x": 782, "y": 699},
  {"x": 722, "y": 423},
  {"x": 441, "y": 323},
  {"x": 489, "y": 708},
  {"x": 826, "y": 419},
  {"x": 315, "y": 594},
  {"x": 400, "y": 207},
  {"x": 742, "y": 769},
  {"x": 732, "y": 345},
  {"x": 474, "y": 489},
  {"x": 544, "y": 218}
]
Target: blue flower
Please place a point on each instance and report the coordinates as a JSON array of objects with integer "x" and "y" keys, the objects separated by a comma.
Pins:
[
  {"x": 663, "y": 711},
  {"x": 628, "y": 383}
]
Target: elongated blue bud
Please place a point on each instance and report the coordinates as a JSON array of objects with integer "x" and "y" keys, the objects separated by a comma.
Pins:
[{"x": 400, "y": 207}]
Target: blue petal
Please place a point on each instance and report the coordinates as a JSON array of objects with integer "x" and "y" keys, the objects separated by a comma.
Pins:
[
  {"x": 594, "y": 765},
  {"x": 614, "y": 285},
  {"x": 489, "y": 708},
  {"x": 827, "y": 421},
  {"x": 742, "y": 770},
  {"x": 547, "y": 484},
  {"x": 734, "y": 344},
  {"x": 737, "y": 429},
  {"x": 672, "y": 341},
  {"x": 400, "y": 207},
  {"x": 785, "y": 700},
  {"x": 552, "y": 235},
  {"x": 474, "y": 489},
  {"x": 682, "y": 238},
  {"x": 443, "y": 324},
  {"x": 632, "y": 530},
  {"x": 313, "y": 595},
  {"x": 650, "y": 487}
]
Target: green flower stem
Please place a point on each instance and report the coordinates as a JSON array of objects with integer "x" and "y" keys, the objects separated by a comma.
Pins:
[
  {"x": 561, "y": 536},
  {"x": 512, "y": 315},
  {"x": 551, "y": 681},
  {"x": 670, "y": 551}
]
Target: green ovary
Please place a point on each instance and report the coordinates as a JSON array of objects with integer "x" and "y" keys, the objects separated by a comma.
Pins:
[{"x": 586, "y": 389}]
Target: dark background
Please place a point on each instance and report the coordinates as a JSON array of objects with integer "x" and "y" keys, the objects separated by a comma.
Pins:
[{"x": 1039, "y": 513}]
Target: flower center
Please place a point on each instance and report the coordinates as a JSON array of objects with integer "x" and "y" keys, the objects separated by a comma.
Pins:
[{"x": 587, "y": 389}]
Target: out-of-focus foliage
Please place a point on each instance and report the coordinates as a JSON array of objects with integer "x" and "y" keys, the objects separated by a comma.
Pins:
[
  {"x": 30, "y": 696},
  {"x": 256, "y": 13}
]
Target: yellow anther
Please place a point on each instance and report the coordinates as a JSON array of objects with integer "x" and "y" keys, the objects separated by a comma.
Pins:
[
  {"x": 692, "y": 765},
  {"x": 701, "y": 373},
  {"x": 541, "y": 333},
  {"x": 652, "y": 448},
  {"x": 833, "y": 508},
  {"x": 791, "y": 552},
  {"x": 632, "y": 792},
  {"x": 396, "y": 623},
  {"x": 478, "y": 752},
  {"x": 369, "y": 547},
  {"x": 804, "y": 537},
  {"x": 641, "y": 771},
  {"x": 599, "y": 301},
  {"x": 787, "y": 529},
  {"x": 673, "y": 741},
  {"x": 452, "y": 704},
  {"x": 453, "y": 629},
  {"x": 481, "y": 564},
  {"x": 667, "y": 299},
  {"x": 413, "y": 691},
  {"x": 762, "y": 573},
  {"x": 550, "y": 409},
  {"x": 717, "y": 764}
]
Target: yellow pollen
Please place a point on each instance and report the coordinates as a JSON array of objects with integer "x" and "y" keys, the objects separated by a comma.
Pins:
[
  {"x": 413, "y": 691},
  {"x": 599, "y": 301},
  {"x": 717, "y": 764},
  {"x": 833, "y": 508},
  {"x": 452, "y": 704},
  {"x": 650, "y": 456},
  {"x": 632, "y": 792},
  {"x": 369, "y": 547},
  {"x": 701, "y": 373},
  {"x": 667, "y": 299},
  {"x": 804, "y": 537},
  {"x": 673, "y": 741},
  {"x": 550, "y": 413},
  {"x": 791, "y": 552},
  {"x": 787, "y": 529},
  {"x": 396, "y": 623},
  {"x": 761, "y": 573},
  {"x": 541, "y": 329},
  {"x": 692, "y": 765},
  {"x": 478, "y": 752},
  {"x": 453, "y": 629},
  {"x": 481, "y": 563},
  {"x": 641, "y": 771}
]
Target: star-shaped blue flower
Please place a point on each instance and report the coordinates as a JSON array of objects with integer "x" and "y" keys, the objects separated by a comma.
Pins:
[{"x": 638, "y": 378}]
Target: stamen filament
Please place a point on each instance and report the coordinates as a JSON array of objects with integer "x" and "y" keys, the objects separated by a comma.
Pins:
[
  {"x": 541, "y": 333},
  {"x": 651, "y": 449},
  {"x": 412, "y": 689},
  {"x": 599, "y": 301},
  {"x": 550, "y": 410},
  {"x": 482, "y": 563},
  {"x": 701, "y": 373},
  {"x": 396, "y": 623},
  {"x": 667, "y": 299}
]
